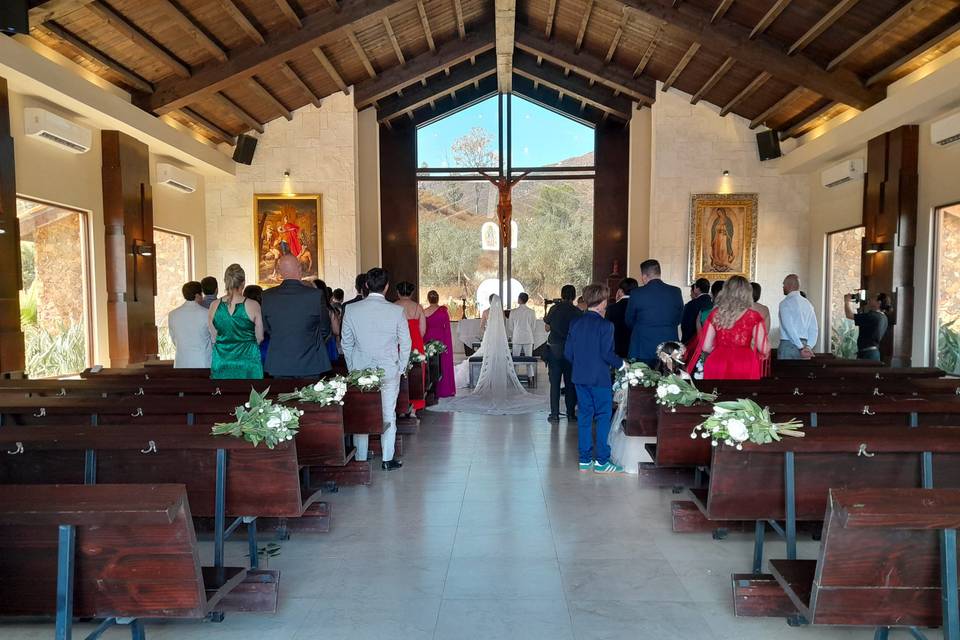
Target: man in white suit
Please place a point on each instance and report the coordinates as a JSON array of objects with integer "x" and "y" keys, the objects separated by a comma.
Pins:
[
  {"x": 190, "y": 331},
  {"x": 375, "y": 334},
  {"x": 524, "y": 323}
]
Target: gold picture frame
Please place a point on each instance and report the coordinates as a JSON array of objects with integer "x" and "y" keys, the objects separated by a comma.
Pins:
[
  {"x": 283, "y": 224},
  {"x": 723, "y": 236}
]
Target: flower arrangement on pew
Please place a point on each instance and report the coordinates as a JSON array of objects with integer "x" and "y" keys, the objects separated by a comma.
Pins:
[
  {"x": 366, "y": 379},
  {"x": 415, "y": 358},
  {"x": 674, "y": 391},
  {"x": 634, "y": 374},
  {"x": 259, "y": 420},
  {"x": 434, "y": 348},
  {"x": 324, "y": 393},
  {"x": 737, "y": 421}
]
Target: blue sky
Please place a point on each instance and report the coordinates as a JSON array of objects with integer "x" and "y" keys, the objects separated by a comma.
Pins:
[{"x": 540, "y": 136}]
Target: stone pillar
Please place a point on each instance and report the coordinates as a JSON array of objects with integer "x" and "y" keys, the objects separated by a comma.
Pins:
[
  {"x": 610, "y": 200},
  {"x": 131, "y": 273},
  {"x": 11, "y": 338}
]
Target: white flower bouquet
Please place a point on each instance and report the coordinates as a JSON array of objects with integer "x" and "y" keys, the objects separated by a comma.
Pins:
[
  {"x": 635, "y": 374},
  {"x": 737, "y": 421},
  {"x": 366, "y": 379},
  {"x": 415, "y": 358},
  {"x": 434, "y": 348},
  {"x": 324, "y": 393},
  {"x": 259, "y": 420},
  {"x": 674, "y": 391}
]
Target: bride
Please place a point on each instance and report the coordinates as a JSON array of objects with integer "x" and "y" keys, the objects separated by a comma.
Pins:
[{"x": 498, "y": 390}]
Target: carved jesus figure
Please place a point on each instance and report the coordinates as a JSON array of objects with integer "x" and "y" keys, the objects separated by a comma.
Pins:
[{"x": 504, "y": 187}]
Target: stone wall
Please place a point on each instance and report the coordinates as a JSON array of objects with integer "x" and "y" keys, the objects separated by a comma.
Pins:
[
  {"x": 691, "y": 147},
  {"x": 319, "y": 149}
]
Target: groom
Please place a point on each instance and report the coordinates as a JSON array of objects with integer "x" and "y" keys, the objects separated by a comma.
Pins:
[{"x": 375, "y": 334}]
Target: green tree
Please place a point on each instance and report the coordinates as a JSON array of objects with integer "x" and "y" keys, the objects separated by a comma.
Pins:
[{"x": 449, "y": 252}]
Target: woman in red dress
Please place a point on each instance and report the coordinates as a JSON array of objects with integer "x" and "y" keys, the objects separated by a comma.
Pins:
[
  {"x": 734, "y": 338},
  {"x": 417, "y": 320}
]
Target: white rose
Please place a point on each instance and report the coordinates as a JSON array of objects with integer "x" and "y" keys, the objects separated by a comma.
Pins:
[
  {"x": 285, "y": 415},
  {"x": 365, "y": 380},
  {"x": 318, "y": 386},
  {"x": 662, "y": 391},
  {"x": 673, "y": 389},
  {"x": 737, "y": 430},
  {"x": 273, "y": 423}
]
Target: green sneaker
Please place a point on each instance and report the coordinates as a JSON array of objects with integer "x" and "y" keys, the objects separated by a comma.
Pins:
[
  {"x": 586, "y": 466},
  {"x": 608, "y": 468}
]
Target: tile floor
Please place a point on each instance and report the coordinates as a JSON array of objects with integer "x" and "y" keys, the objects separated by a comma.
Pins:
[{"x": 490, "y": 532}]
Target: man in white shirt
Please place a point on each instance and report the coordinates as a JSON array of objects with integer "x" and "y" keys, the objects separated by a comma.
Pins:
[
  {"x": 524, "y": 322},
  {"x": 798, "y": 323},
  {"x": 189, "y": 330}
]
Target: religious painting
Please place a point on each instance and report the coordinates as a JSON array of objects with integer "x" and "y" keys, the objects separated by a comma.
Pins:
[
  {"x": 723, "y": 235},
  {"x": 287, "y": 225}
]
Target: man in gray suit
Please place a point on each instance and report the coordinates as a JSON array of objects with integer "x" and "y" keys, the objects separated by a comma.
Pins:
[
  {"x": 298, "y": 321},
  {"x": 375, "y": 334}
]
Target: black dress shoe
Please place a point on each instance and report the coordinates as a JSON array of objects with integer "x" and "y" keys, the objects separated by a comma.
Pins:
[
  {"x": 553, "y": 418},
  {"x": 391, "y": 465}
]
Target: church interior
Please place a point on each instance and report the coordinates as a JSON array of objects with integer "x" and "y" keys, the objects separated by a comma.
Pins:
[{"x": 473, "y": 148}]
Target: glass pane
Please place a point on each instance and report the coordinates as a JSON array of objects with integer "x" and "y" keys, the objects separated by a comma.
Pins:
[
  {"x": 544, "y": 138},
  {"x": 173, "y": 270},
  {"x": 466, "y": 138},
  {"x": 947, "y": 296},
  {"x": 843, "y": 249},
  {"x": 53, "y": 301}
]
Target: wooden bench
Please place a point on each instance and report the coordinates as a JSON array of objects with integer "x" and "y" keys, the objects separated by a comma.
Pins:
[{"x": 119, "y": 552}]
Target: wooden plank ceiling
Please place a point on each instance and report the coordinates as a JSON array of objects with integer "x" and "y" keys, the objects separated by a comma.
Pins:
[{"x": 224, "y": 67}]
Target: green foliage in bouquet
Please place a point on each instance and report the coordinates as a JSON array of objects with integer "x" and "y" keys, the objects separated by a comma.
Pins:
[
  {"x": 415, "y": 358},
  {"x": 324, "y": 393},
  {"x": 635, "y": 374},
  {"x": 434, "y": 348},
  {"x": 737, "y": 421},
  {"x": 366, "y": 379},
  {"x": 259, "y": 420},
  {"x": 674, "y": 391}
]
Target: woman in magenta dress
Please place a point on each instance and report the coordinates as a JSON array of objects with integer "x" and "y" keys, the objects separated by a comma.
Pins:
[
  {"x": 438, "y": 328},
  {"x": 734, "y": 338}
]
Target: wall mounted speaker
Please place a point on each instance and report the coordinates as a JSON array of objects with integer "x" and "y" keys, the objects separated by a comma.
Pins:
[
  {"x": 246, "y": 146},
  {"x": 768, "y": 145},
  {"x": 14, "y": 17}
]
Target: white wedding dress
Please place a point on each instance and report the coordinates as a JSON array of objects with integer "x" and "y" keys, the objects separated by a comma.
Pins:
[
  {"x": 498, "y": 390},
  {"x": 626, "y": 451}
]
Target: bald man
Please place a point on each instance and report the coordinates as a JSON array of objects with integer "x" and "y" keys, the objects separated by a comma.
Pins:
[
  {"x": 295, "y": 315},
  {"x": 798, "y": 323}
]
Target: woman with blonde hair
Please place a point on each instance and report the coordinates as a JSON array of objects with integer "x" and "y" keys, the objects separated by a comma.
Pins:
[
  {"x": 734, "y": 338},
  {"x": 236, "y": 326}
]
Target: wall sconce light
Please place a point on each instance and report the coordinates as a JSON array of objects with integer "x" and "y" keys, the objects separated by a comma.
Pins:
[
  {"x": 3, "y": 228},
  {"x": 879, "y": 247},
  {"x": 141, "y": 248},
  {"x": 872, "y": 249},
  {"x": 286, "y": 174},
  {"x": 726, "y": 173}
]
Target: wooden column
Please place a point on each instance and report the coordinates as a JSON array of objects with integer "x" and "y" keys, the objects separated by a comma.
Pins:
[
  {"x": 399, "y": 236},
  {"x": 610, "y": 200},
  {"x": 11, "y": 338},
  {"x": 890, "y": 221},
  {"x": 131, "y": 278}
]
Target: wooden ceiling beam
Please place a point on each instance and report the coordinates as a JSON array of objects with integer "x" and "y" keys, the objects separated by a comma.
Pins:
[
  {"x": 553, "y": 100},
  {"x": 321, "y": 28},
  {"x": 617, "y": 36},
  {"x": 728, "y": 38},
  {"x": 239, "y": 112},
  {"x": 505, "y": 24},
  {"x": 458, "y": 11},
  {"x": 393, "y": 40},
  {"x": 54, "y": 10},
  {"x": 821, "y": 25},
  {"x": 334, "y": 5},
  {"x": 331, "y": 70},
  {"x": 806, "y": 123},
  {"x": 427, "y": 32},
  {"x": 898, "y": 16},
  {"x": 296, "y": 80},
  {"x": 461, "y": 76},
  {"x": 121, "y": 25},
  {"x": 574, "y": 86},
  {"x": 776, "y": 107},
  {"x": 888, "y": 71},
  {"x": 231, "y": 9},
  {"x": 641, "y": 89},
  {"x": 262, "y": 93},
  {"x": 714, "y": 79},
  {"x": 551, "y": 14},
  {"x": 218, "y": 132},
  {"x": 647, "y": 53},
  {"x": 192, "y": 29},
  {"x": 358, "y": 48},
  {"x": 677, "y": 70},
  {"x": 583, "y": 25},
  {"x": 772, "y": 14},
  {"x": 417, "y": 68},
  {"x": 721, "y": 10},
  {"x": 93, "y": 54},
  {"x": 289, "y": 13},
  {"x": 745, "y": 93}
]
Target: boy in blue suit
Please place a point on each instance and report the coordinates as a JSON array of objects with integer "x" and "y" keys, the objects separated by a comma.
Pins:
[{"x": 590, "y": 350}]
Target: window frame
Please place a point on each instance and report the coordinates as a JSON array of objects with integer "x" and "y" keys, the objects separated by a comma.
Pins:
[
  {"x": 828, "y": 284},
  {"x": 936, "y": 236}
]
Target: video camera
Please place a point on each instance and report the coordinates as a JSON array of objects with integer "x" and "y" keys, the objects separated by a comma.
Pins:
[{"x": 859, "y": 296}]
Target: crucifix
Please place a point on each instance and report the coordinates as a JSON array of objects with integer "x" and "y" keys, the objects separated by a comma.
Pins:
[{"x": 505, "y": 186}]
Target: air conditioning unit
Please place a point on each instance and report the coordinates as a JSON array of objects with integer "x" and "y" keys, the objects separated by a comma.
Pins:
[
  {"x": 176, "y": 178},
  {"x": 946, "y": 131},
  {"x": 841, "y": 173},
  {"x": 49, "y": 127}
]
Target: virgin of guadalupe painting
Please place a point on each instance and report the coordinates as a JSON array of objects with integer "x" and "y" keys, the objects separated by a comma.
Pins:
[
  {"x": 723, "y": 235},
  {"x": 287, "y": 225}
]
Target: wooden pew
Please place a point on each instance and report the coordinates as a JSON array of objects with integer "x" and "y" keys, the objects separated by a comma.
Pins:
[
  {"x": 888, "y": 558},
  {"x": 105, "y": 551}
]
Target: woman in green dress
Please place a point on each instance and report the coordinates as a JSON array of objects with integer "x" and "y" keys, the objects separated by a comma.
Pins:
[{"x": 236, "y": 325}]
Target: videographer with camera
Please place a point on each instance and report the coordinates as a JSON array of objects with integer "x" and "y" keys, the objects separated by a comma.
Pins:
[{"x": 872, "y": 320}]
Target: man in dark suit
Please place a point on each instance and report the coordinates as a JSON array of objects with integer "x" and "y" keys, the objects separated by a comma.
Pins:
[
  {"x": 699, "y": 300},
  {"x": 617, "y": 314},
  {"x": 558, "y": 321},
  {"x": 360, "y": 284},
  {"x": 653, "y": 313},
  {"x": 296, "y": 316}
]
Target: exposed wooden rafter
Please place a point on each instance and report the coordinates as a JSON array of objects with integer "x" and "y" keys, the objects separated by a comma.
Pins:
[
  {"x": 617, "y": 36},
  {"x": 463, "y": 75},
  {"x": 216, "y": 131},
  {"x": 289, "y": 13},
  {"x": 239, "y": 112},
  {"x": 684, "y": 61},
  {"x": 821, "y": 25},
  {"x": 334, "y": 4},
  {"x": 505, "y": 24},
  {"x": 361, "y": 54},
  {"x": 714, "y": 79},
  {"x": 551, "y": 14},
  {"x": 583, "y": 25},
  {"x": 890, "y": 70},
  {"x": 745, "y": 93},
  {"x": 427, "y": 32},
  {"x": 93, "y": 54},
  {"x": 262, "y": 92},
  {"x": 231, "y": 9},
  {"x": 776, "y": 107},
  {"x": 458, "y": 11},
  {"x": 898, "y": 16},
  {"x": 192, "y": 29},
  {"x": 393, "y": 41},
  {"x": 807, "y": 122},
  {"x": 574, "y": 86},
  {"x": 721, "y": 10},
  {"x": 296, "y": 80},
  {"x": 54, "y": 10},
  {"x": 772, "y": 14},
  {"x": 108, "y": 16},
  {"x": 330, "y": 69},
  {"x": 647, "y": 53}
]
